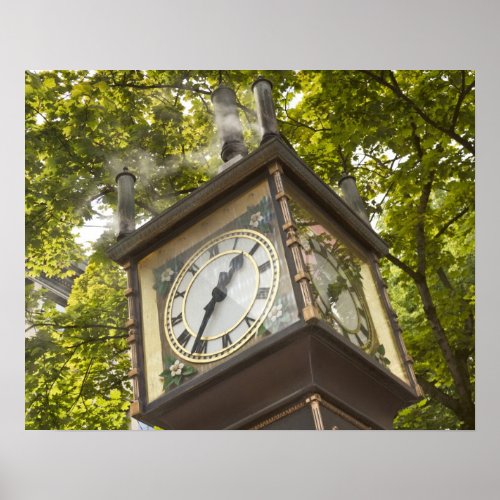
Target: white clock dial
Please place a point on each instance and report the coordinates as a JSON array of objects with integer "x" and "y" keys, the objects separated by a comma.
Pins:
[
  {"x": 339, "y": 298},
  {"x": 221, "y": 296}
]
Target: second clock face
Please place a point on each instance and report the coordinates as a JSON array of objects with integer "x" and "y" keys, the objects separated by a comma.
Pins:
[
  {"x": 338, "y": 297},
  {"x": 221, "y": 296}
]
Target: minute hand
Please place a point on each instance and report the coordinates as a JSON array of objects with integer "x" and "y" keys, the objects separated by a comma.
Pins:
[{"x": 219, "y": 293}]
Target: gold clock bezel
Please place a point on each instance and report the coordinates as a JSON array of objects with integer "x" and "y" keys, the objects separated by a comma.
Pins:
[{"x": 252, "y": 330}]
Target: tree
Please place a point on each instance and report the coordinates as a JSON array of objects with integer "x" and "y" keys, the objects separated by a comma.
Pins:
[{"x": 408, "y": 136}]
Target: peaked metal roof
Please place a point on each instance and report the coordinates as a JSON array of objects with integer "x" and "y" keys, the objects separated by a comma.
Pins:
[{"x": 246, "y": 168}]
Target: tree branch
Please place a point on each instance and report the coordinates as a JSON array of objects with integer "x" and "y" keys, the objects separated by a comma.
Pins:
[
  {"x": 147, "y": 207},
  {"x": 96, "y": 339},
  {"x": 54, "y": 380},
  {"x": 460, "y": 379},
  {"x": 57, "y": 325},
  {"x": 435, "y": 393},
  {"x": 394, "y": 87},
  {"x": 444, "y": 278},
  {"x": 298, "y": 123},
  {"x": 343, "y": 159},
  {"x": 179, "y": 86},
  {"x": 451, "y": 221},
  {"x": 404, "y": 267},
  {"x": 420, "y": 227},
  {"x": 85, "y": 377},
  {"x": 461, "y": 96}
]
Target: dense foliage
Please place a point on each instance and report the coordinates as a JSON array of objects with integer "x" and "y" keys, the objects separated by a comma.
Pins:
[{"x": 407, "y": 136}]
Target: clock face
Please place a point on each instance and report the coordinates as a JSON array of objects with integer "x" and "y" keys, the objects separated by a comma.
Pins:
[
  {"x": 339, "y": 296},
  {"x": 221, "y": 296}
]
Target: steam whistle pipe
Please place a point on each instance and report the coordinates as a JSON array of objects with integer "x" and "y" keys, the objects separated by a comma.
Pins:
[
  {"x": 352, "y": 197},
  {"x": 228, "y": 123},
  {"x": 263, "y": 94},
  {"x": 126, "y": 206}
]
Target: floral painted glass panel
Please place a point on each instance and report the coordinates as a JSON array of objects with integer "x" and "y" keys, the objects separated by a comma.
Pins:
[
  {"x": 172, "y": 351},
  {"x": 343, "y": 283}
]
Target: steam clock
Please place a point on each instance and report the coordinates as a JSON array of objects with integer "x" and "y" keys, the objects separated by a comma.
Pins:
[{"x": 256, "y": 302}]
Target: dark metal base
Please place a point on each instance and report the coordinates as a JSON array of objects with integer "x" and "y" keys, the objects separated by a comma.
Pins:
[{"x": 348, "y": 388}]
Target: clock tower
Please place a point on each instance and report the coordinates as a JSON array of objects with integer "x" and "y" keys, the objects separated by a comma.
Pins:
[{"x": 256, "y": 302}]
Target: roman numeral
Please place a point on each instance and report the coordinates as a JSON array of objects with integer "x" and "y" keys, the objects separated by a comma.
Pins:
[
  {"x": 265, "y": 266},
  {"x": 183, "y": 338},
  {"x": 213, "y": 251},
  {"x": 364, "y": 331},
  {"x": 179, "y": 294},
  {"x": 193, "y": 269},
  {"x": 226, "y": 341},
  {"x": 235, "y": 243},
  {"x": 262, "y": 293},
  {"x": 201, "y": 347},
  {"x": 177, "y": 319},
  {"x": 249, "y": 320},
  {"x": 254, "y": 248}
]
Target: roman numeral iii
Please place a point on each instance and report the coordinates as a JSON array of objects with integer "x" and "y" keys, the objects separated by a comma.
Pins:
[{"x": 264, "y": 267}]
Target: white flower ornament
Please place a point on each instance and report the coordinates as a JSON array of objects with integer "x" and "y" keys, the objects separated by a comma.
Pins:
[
  {"x": 167, "y": 274},
  {"x": 255, "y": 219},
  {"x": 276, "y": 312},
  {"x": 176, "y": 368}
]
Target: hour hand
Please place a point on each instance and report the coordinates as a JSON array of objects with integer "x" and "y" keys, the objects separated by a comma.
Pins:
[
  {"x": 209, "y": 309},
  {"x": 218, "y": 295}
]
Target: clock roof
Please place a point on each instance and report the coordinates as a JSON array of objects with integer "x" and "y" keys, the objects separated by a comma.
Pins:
[{"x": 142, "y": 239}]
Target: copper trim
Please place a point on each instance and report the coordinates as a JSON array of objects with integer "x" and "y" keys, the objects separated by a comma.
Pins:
[
  {"x": 310, "y": 312},
  {"x": 279, "y": 416},
  {"x": 275, "y": 167},
  {"x": 344, "y": 415},
  {"x": 281, "y": 195},
  {"x": 316, "y": 413},
  {"x": 289, "y": 226},
  {"x": 306, "y": 292},
  {"x": 302, "y": 276},
  {"x": 135, "y": 408}
]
